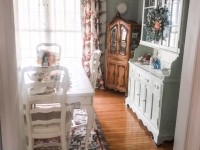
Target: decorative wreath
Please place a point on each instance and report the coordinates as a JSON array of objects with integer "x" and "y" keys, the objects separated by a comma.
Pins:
[{"x": 157, "y": 19}]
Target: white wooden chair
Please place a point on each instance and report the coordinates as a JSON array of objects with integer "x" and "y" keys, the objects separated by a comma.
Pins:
[
  {"x": 46, "y": 115},
  {"x": 94, "y": 65}
]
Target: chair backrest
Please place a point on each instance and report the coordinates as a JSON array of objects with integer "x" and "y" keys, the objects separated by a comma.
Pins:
[
  {"x": 94, "y": 64},
  {"x": 53, "y": 76},
  {"x": 41, "y": 97},
  {"x": 49, "y": 46}
]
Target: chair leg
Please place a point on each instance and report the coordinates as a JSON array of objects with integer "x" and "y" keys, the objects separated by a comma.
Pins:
[
  {"x": 63, "y": 142},
  {"x": 30, "y": 143},
  {"x": 94, "y": 124},
  {"x": 68, "y": 127}
]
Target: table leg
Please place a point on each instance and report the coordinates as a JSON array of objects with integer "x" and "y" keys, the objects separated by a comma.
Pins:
[{"x": 90, "y": 112}]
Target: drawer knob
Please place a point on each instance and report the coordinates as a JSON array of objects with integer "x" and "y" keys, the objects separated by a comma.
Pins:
[
  {"x": 156, "y": 86},
  {"x": 147, "y": 80}
]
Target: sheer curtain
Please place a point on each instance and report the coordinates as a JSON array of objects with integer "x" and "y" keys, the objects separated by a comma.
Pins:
[{"x": 50, "y": 21}]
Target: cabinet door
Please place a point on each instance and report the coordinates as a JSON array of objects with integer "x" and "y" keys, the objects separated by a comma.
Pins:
[
  {"x": 112, "y": 39},
  {"x": 135, "y": 38},
  {"x": 110, "y": 73},
  {"x": 155, "y": 110},
  {"x": 121, "y": 76},
  {"x": 170, "y": 35},
  {"x": 142, "y": 98},
  {"x": 137, "y": 93},
  {"x": 124, "y": 41},
  {"x": 148, "y": 105},
  {"x": 131, "y": 88}
]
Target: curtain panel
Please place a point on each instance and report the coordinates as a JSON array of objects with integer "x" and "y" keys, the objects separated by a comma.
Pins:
[{"x": 93, "y": 31}]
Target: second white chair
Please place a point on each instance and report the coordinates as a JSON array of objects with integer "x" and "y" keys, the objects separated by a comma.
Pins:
[{"x": 94, "y": 65}]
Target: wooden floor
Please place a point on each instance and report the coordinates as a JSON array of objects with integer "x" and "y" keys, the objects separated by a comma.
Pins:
[{"x": 122, "y": 129}]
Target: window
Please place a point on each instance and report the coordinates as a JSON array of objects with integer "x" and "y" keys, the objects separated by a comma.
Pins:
[{"x": 50, "y": 21}]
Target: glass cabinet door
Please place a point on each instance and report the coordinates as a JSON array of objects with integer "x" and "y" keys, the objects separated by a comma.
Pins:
[
  {"x": 149, "y": 3},
  {"x": 113, "y": 40},
  {"x": 145, "y": 36},
  {"x": 171, "y": 32},
  {"x": 134, "y": 40},
  {"x": 123, "y": 40}
]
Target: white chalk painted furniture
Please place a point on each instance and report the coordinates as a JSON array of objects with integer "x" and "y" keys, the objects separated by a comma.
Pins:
[
  {"x": 153, "y": 93},
  {"x": 80, "y": 90},
  {"x": 154, "y": 98},
  {"x": 46, "y": 114},
  {"x": 94, "y": 65}
]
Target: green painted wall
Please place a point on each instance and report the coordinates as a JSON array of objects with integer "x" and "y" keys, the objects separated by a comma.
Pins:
[
  {"x": 131, "y": 14},
  {"x": 140, "y": 9}
]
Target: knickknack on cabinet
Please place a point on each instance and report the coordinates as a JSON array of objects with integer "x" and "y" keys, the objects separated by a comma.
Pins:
[{"x": 122, "y": 39}]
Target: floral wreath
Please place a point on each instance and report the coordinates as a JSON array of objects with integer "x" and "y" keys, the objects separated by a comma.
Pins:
[{"x": 157, "y": 19}]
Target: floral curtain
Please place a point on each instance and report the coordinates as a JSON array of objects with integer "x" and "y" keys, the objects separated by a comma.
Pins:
[{"x": 93, "y": 30}]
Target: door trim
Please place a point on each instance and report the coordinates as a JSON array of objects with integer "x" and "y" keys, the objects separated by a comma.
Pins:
[{"x": 188, "y": 123}]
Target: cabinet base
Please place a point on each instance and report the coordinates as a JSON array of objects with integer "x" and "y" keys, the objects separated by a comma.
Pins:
[
  {"x": 157, "y": 137},
  {"x": 158, "y": 140},
  {"x": 116, "y": 89}
]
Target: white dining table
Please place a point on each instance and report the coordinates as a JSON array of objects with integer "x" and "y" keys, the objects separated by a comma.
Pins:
[{"x": 81, "y": 90}]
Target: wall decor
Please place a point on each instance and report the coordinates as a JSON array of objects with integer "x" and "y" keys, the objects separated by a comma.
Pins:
[{"x": 121, "y": 7}]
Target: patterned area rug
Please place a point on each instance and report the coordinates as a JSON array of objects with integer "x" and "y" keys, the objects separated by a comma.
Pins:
[{"x": 97, "y": 140}]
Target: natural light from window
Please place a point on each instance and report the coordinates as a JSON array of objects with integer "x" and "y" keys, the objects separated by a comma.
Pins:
[{"x": 50, "y": 21}]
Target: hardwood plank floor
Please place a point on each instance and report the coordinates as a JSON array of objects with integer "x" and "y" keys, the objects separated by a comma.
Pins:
[{"x": 122, "y": 129}]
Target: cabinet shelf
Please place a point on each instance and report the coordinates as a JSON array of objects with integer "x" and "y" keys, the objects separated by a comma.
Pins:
[
  {"x": 161, "y": 47},
  {"x": 149, "y": 7}
]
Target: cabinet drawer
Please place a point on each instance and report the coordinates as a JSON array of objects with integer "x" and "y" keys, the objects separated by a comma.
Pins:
[
  {"x": 131, "y": 71},
  {"x": 157, "y": 86},
  {"x": 139, "y": 74},
  {"x": 147, "y": 80}
]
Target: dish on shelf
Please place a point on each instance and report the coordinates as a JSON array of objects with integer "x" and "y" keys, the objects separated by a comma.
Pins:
[
  {"x": 36, "y": 76},
  {"x": 121, "y": 7},
  {"x": 55, "y": 75},
  {"x": 42, "y": 76},
  {"x": 41, "y": 90},
  {"x": 143, "y": 62}
]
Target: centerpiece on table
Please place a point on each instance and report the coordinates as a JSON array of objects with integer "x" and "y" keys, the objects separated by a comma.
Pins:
[{"x": 47, "y": 58}]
